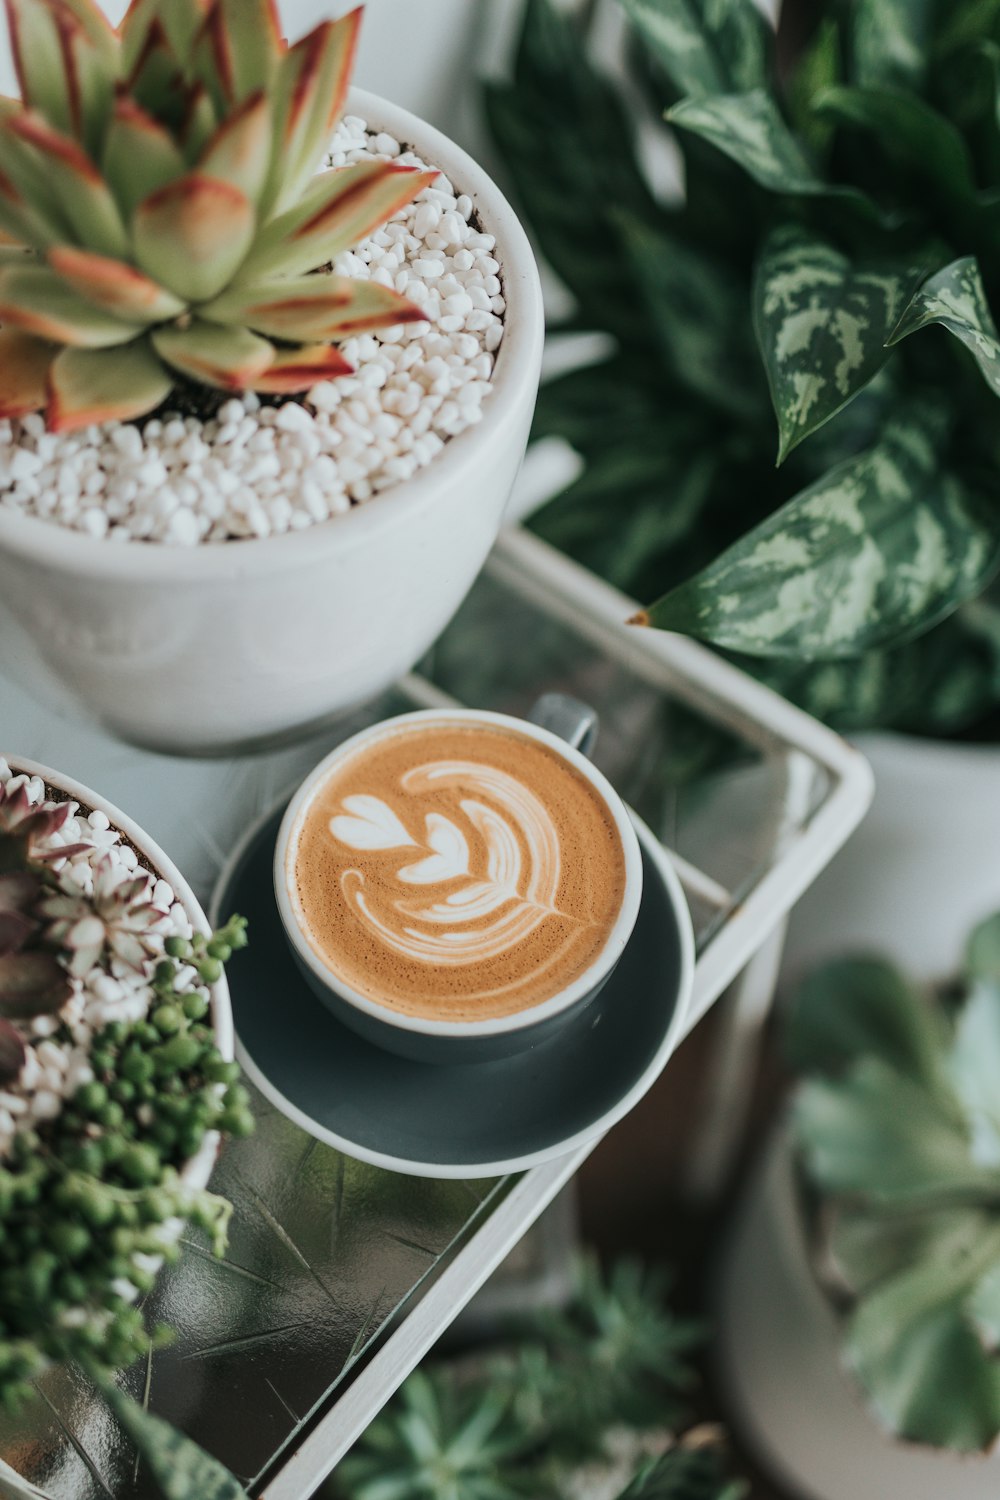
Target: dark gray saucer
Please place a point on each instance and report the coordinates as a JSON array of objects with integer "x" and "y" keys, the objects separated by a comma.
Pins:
[{"x": 476, "y": 1119}]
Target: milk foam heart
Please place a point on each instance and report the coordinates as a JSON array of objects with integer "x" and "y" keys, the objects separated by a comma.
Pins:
[{"x": 457, "y": 871}]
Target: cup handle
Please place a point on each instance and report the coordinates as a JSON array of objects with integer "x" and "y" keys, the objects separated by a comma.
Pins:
[{"x": 567, "y": 718}]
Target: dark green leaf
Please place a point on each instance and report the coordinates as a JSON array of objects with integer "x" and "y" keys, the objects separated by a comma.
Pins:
[
  {"x": 874, "y": 553},
  {"x": 567, "y": 142},
  {"x": 956, "y": 298},
  {"x": 697, "y": 315},
  {"x": 885, "y": 1136},
  {"x": 912, "y": 133},
  {"x": 705, "y": 46},
  {"x": 889, "y": 41},
  {"x": 927, "y": 1376},
  {"x": 819, "y": 68},
  {"x": 982, "y": 954},
  {"x": 855, "y": 1008},
  {"x": 822, "y": 322},
  {"x": 179, "y": 1468}
]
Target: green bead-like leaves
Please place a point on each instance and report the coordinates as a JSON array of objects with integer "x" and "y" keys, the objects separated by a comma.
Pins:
[{"x": 164, "y": 171}]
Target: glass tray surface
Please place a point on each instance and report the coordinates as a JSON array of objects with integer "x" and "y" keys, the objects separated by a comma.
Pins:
[{"x": 328, "y": 1256}]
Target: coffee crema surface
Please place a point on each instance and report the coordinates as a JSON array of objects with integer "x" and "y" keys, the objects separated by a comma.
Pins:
[{"x": 456, "y": 872}]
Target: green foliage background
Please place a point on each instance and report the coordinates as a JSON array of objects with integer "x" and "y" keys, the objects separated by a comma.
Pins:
[{"x": 820, "y": 300}]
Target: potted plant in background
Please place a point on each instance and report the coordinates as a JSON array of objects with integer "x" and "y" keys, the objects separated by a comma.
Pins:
[
  {"x": 585, "y": 1403},
  {"x": 242, "y": 413},
  {"x": 859, "y": 1322},
  {"x": 116, "y": 1086},
  {"x": 820, "y": 294}
]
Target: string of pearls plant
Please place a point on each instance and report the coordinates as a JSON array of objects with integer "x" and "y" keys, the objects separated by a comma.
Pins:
[{"x": 110, "y": 1081}]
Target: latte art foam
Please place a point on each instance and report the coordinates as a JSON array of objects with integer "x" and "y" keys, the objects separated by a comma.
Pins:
[{"x": 457, "y": 872}]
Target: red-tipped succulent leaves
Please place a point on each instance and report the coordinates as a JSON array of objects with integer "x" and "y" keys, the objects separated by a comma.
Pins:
[{"x": 161, "y": 214}]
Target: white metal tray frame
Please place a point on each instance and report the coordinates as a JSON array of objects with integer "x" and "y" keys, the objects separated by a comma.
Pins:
[{"x": 747, "y": 943}]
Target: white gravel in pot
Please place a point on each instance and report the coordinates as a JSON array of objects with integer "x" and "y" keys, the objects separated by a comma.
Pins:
[
  {"x": 58, "y": 1046},
  {"x": 257, "y": 470}
]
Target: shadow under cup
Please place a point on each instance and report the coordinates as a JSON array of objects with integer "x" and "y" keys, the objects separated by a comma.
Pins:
[{"x": 453, "y": 1041}]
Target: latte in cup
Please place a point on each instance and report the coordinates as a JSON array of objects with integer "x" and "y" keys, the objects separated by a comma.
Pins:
[{"x": 456, "y": 871}]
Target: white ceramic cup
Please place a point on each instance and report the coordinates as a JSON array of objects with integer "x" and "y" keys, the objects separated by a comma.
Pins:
[{"x": 429, "y": 1040}]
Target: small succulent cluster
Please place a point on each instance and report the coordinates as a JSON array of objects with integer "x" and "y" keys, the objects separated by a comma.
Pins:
[
  {"x": 161, "y": 214},
  {"x": 578, "y": 1399},
  {"x": 90, "y": 1201},
  {"x": 32, "y": 980}
]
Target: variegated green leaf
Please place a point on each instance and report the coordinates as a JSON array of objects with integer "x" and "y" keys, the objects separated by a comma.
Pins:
[
  {"x": 876, "y": 551},
  {"x": 918, "y": 137},
  {"x": 705, "y": 46},
  {"x": 889, "y": 41},
  {"x": 956, "y": 298},
  {"x": 180, "y": 1469},
  {"x": 13, "y": 1487},
  {"x": 748, "y": 127},
  {"x": 822, "y": 322}
]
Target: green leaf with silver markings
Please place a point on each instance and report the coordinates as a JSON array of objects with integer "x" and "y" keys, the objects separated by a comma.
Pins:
[
  {"x": 822, "y": 322},
  {"x": 705, "y": 46},
  {"x": 878, "y": 550},
  {"x": 956, "y": 298},
  {"x": 748, "y": 127}
]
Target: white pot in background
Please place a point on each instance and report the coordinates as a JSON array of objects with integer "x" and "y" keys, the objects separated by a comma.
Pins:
[
  {"x": 778, "y": 1353},
  {"x": 922, "y": 869},
  {"x": 211, "y": 648}
]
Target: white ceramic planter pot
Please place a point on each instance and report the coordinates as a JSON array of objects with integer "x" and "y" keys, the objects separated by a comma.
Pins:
[
  {"x": 208, "y": 649},
  {"x": 198, "y": 1170},
  {"x": 779, "y": 1363},
  {"x": 922, "y": 869}
]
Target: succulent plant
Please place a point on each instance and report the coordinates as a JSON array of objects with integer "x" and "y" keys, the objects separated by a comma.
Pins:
[
  {"x": 32, "y": 981},
  {"x": 162, "y": 214},
  {"x": 897, "y": 1123},
  {"x": 117, "y": 917}
]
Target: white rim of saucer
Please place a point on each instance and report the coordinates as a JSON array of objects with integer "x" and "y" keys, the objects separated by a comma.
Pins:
[
  {"x": 445, "y": 1171},
  {"x": 614, "y": 944}
]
